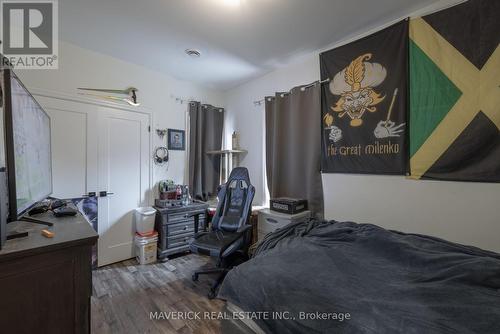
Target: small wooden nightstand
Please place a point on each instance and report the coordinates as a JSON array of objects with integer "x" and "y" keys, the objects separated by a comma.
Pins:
[{"x": 254, "y": 221}]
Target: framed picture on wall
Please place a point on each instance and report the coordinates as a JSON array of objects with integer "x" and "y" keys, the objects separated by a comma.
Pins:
[{"x": 176, "y": 140}]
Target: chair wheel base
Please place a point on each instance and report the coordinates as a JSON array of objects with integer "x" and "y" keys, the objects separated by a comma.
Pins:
[{"x": 194, "y": 277}]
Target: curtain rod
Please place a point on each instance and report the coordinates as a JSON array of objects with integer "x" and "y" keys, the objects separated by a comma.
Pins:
[
  {"x": 259, "y": 102},
  {"x": 190, "y": 100}
]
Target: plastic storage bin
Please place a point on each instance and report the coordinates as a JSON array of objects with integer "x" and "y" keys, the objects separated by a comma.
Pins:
[
  {"x": 145, "y": 248},
  {"x": 145, "y": 220}
]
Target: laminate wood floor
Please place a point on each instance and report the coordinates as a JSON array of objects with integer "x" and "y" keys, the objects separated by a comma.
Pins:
[{"x": 125, "y": 293}]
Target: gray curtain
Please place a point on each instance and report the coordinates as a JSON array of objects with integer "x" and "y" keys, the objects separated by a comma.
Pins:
[
  {"x": 205, "y": 134},
  {"x": 293, "y": 145}
]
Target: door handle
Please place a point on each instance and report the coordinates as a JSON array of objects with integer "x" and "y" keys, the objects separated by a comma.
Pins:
[
  {"x": 90, "y": 194},
  {"x": 104, "y": 193}
]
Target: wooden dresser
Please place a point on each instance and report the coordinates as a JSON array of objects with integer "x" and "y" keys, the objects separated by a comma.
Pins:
[
  {"x": 46, "y": 283},
  {"x": 176, "y": 226}
]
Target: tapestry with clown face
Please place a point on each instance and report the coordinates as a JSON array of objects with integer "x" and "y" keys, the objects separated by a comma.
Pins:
[{"x": 364, "y": 104}]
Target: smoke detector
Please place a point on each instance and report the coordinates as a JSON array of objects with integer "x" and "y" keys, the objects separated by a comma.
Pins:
[{"x": 193, "y": 53}]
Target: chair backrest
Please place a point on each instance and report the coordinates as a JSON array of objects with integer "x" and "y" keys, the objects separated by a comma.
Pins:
[{"x": 235, "y": 201}]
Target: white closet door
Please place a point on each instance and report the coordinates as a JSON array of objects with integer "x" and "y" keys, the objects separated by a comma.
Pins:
[
  {"x": 73, "y": 145},
  {"x": 102, "y": 149},
  {"x": 123, "y": 171}
]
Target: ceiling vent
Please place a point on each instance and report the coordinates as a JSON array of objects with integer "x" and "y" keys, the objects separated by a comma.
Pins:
[{"x": 193, "y": 53}]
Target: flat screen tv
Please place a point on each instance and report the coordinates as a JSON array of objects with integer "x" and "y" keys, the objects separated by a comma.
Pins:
[{"x": 27, "y": 147}]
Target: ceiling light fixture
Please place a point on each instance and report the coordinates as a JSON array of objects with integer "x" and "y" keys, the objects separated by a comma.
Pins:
[
  {"x": 193, "y": 53},
  {"x": 232, "y": 3}
]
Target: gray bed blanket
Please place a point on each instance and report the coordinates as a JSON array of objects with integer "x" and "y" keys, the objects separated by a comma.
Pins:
[{"x": 343, "y": 277}]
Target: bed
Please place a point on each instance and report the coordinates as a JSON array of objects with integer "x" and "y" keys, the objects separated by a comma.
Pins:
[{"x": 343, "y": 277}]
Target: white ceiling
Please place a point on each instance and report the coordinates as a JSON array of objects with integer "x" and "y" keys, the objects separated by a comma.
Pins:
[{"x": 238, "y": 43}]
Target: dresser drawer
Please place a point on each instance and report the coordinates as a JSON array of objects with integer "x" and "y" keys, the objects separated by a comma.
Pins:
[
  {"x": 180, "y": 228},
  {"x": 179, "y": 240},
  {"x": 180, "y": 216},
  {"x": 184, "y": 227}
]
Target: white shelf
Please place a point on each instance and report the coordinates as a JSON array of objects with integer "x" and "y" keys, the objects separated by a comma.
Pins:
[
  {"x": 236, "y": 151},
  {"x": 229, "y": 161}
]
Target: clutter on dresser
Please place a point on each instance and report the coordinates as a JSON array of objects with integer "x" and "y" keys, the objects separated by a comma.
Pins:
[
  {"x": 58, "y": 207},
  {"x": 167, "y": 189},
  {"x": 64, "y": 211},
  {"x": 172, "y": 194},
  {"x": 163, "y": 186},
  {"x": 288, "y": 205},
  {"x": 47, "y": 234}
]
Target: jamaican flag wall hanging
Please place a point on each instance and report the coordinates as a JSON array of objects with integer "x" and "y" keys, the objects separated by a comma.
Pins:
[
  {"x": 364, "y": 106},
  {"x": 455, "y": 93}
]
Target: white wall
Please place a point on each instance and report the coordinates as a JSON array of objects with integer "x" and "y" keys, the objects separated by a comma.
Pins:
[
  {"x": 468, "y": 213},
  {"x": 84, "y": 68}
]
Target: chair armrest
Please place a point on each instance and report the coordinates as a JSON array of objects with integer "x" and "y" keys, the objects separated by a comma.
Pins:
[
  {"x": 244, "y": 228},
  {"x": 242, "y": 233}
]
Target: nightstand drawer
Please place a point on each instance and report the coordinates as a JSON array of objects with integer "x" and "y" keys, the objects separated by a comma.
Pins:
[
  {"x": 179, "y": 240},
  {"x": 180, "y": 216},
  {"x": 180, "y": 228}
]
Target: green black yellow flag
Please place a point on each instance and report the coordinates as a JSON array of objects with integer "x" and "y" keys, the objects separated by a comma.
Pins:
[{"x": 455, "y": 93}]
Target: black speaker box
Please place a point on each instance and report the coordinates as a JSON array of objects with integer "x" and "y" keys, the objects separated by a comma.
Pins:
[{"x": 287, "y": 205}]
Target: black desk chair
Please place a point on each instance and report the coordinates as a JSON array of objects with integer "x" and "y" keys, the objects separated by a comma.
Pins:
[{"x": 230, "y": 236}]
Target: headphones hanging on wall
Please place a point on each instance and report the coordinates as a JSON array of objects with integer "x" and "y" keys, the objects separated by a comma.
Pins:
[{"x": 160, "y": 155}]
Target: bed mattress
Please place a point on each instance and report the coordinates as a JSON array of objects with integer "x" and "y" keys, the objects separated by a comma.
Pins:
[{"x": 343, "y": 277}]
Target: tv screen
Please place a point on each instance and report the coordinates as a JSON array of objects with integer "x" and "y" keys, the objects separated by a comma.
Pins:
[{"x": 28, "y": 152}]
